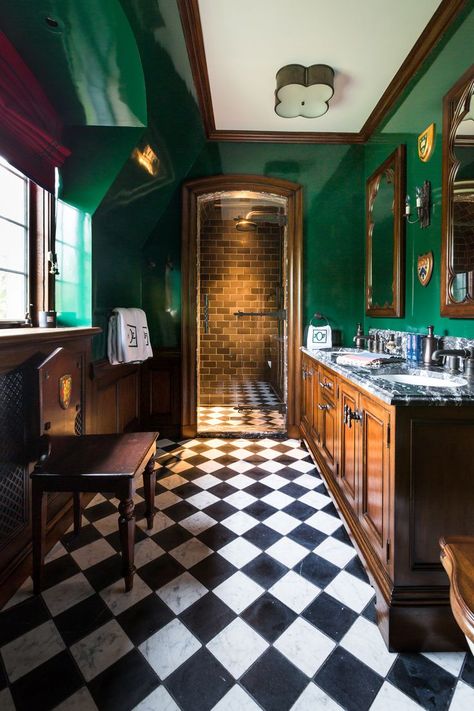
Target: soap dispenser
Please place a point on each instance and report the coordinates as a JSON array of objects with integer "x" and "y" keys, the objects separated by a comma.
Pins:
[{"x": 430, "y": 345}]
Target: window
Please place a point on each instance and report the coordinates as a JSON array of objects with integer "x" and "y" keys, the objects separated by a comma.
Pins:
[
  {"x": 26, "y": 234},
  {"x": 14, "y": 244}
]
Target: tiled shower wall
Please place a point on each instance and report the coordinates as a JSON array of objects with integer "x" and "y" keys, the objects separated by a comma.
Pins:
[{"x": 238, "y": 271}]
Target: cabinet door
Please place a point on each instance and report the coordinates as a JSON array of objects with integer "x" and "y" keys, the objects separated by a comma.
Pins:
[
  {"x": 327, "y": 426},
  {"x": 307, "y": 404},
  {"x": 375, "y": 476},
  {"x": 350, "y": 439}
]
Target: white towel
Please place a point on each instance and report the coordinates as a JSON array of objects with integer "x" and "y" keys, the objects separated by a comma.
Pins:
[{"x": 128, "y": 337}]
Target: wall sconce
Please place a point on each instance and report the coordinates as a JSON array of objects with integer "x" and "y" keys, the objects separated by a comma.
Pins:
[
  {"x": 303, "y": 91},
  {"x": 423, "y": 206}
]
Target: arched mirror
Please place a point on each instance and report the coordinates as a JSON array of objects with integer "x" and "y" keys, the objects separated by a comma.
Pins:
[
  {"x": 385, "y": 237},
  {"x": 457, "y": 269}
]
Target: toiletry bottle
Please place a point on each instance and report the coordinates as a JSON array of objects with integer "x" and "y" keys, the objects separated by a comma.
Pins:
[
  {"x": 409, "y": 347},
  {"x": 430, "y": 344}
]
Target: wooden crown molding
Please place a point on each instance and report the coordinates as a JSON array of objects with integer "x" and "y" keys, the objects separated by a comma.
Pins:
[{"x": 446, "y": 13}]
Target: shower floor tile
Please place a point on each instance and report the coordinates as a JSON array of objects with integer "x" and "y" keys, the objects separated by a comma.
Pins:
[{"x": 230, "y": 419}]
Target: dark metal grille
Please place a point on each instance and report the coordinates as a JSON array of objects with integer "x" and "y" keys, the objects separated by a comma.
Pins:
[{"x": 78, "y": 423}]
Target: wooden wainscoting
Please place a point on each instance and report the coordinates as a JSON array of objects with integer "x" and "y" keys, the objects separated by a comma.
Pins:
[
  {"x": 161, "y": 393},
  {"x": 115, "y": 397}
]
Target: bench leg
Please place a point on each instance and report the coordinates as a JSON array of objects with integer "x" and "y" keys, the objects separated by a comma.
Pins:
[
  {"x": 127, "y": 539},
  {"x": 38, "y": 504},
  {"x": 149, "y": 481},
  {"x": 77, "y": 512}
]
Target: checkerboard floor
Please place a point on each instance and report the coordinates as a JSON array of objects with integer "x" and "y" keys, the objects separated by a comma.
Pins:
[
  {"x": 221, "y": 419},
  {"x": 248, "y": 595}
]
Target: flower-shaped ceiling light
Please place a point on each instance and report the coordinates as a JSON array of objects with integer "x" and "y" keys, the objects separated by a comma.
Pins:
[{"x": 303, "y": 91}]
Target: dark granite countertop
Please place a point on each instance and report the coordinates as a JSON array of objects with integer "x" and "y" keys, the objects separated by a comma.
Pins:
[{"x": 372, "y": 380}]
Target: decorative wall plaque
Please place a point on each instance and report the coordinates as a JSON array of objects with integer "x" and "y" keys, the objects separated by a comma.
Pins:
[
  {"x": 426, "y": 143},
  {"x": 65, "y": 389},
  {"x": 424, "y": 268}
]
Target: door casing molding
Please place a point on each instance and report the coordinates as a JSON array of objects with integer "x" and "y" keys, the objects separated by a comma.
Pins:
[{"x": 192, "y": 190}]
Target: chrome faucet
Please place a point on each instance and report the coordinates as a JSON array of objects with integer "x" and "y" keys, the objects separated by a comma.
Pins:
[{"x": 452, "y": 358}]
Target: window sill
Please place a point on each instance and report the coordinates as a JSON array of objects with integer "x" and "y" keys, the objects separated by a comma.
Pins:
[{"x": 10, "y": 336}]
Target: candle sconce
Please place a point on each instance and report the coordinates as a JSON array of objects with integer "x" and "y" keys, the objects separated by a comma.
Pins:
[{"x": 423, "y": 206}]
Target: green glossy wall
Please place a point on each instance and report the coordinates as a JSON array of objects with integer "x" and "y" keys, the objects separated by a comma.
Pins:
[{"x": 420, "y": 106}]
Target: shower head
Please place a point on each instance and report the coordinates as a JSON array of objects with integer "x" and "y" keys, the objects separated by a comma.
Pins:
[{"x": 244, "y": 225}]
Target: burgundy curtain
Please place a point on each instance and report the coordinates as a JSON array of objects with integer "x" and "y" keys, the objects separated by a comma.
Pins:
[{"x": 30, "y": 129}]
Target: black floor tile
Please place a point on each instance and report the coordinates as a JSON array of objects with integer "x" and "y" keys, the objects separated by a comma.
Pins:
[
  {"x": 217, "y": 536},
  {"x": 330, "y": 616},
  {"x": 83, "y": 618},
  {"x": 87, "y": 534},
  {"x": 265, "y": 570},
  {"x": 274, "y": 682},
  {"x": 260, "y": 510},
  {"x": 467, "y": 674},
  {"x": 172, "y": 537},
  {"x": 180, "y": 511},
  {"x": 294, "y": 490},
  {"x": 423, "y": 681},
  {"x": 93, "y": 513},
  {"x": 213, "y": 570},
  {"x": 114, "y": 538},
  {"x": 222, "y": 490},
  {"x": 207, "y": 617},
  {"x": 3, "y": 678},
  {"x": 22, "y": 618},
  {"x": 306, "y": 535},
  {"x": 58, "y": 570},
  {"x": 350, "y": 682},
  {"x": 299, "y": 510},
  {"x": 269, "y": 616},
  {"x": 124, "y": 684},
  {"x": 370, "y": 612},
  {"x": 187, "y": 490},
  {"x": 262, "y": 536},
  {"x": 220, "y": 510},
  {"x": 331, "y": 510},
  {"x": 145, "y": 618},
  {"x": 199, "y": 683},
  {"x": 105, "y": 573},
  {"x": 257, "y": 474},
  {"x": 317, "y": 570},
  {"x": 47, "y": 685},
  {"x": 160, "y": 571},
  {"x": 356, "y": 568},
  {"x": 259, "y": 490},
  {"x": 341, "y": 535}
]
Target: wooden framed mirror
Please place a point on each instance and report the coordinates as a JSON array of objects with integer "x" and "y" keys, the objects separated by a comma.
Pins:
[
  {"x": 457, "y": 256},
  {"x": 385, "y": 238}
]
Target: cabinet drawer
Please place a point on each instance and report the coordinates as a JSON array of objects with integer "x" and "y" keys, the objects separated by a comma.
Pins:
[{"x": 327, "y": 384}]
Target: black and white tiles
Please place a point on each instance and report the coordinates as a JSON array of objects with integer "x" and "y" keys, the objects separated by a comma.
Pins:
[
  {"x": 249, "y": 406},
  {"x": 248, "y": 595}
]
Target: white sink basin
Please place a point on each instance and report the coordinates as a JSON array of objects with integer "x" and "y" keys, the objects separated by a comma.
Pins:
[{"x": 425, "y": 381}]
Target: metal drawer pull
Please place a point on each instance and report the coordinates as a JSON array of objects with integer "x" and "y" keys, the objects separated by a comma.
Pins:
[
  {"x": 324, "y": 407},
  {"x": 327, "y": 385},
  {"x": 350, "y": 415}
]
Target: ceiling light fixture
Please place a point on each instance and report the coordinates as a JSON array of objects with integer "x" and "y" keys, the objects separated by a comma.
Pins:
[{"x": 303, "y": 91}]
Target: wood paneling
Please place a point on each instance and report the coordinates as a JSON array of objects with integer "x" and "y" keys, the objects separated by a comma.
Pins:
[
  {"x": 116, "y": 397},
  {"x": 161, "y": 393},
  {"x": 349, "y": 454}
]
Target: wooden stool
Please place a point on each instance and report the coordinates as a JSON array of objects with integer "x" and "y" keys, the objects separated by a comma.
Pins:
[
  {"x": 95, "y": 463},
  {"x": 457, "y": 557}
]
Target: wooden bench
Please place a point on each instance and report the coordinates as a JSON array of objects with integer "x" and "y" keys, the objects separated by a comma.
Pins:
[{"x": 457, "y": 557}]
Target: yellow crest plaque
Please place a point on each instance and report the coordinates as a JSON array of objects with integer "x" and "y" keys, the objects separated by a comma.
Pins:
[
  {"x": 65, "y": 389},
  {"x": 426, "y": 143},
  {"x": 424, "y": 268}
]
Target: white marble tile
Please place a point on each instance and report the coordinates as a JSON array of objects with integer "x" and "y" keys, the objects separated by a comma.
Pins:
[
  {"x": 277, "y": 499},
  {"x": 80, "y": 701},
  {"x": 391, "y": 699},
  {"x": 166, "y": 499},
  {"x": 93, "y": 553},
  {"x": 173, "y": 481},
  {"x": 160, "y": 522},
  {"x": 6, "y": 700},
  {"x": 178, "y": 466},
  {"x": 190, "y": 552},
  {"x": 463, "y": 699},
  {"x": 158, "y": 700},
  {"x": 67, "y": 593},
  {"x": 209, "y": 467},
  {"x": 24, "y": 592},
  {"x": 451, "y": 661},
  {"x": 239, "y": 522},
  {"x": 168, "y": 648},
  {"x": 308, "y": 481},
  {"x": 315, "y": 699},
  {"x": 272, "y": 467},
  {"x": 241, "y": 467},
  {"x": 241, "y": 453},
  {"x": 335, "y": 552},
  {"x": 197, "y": 523},
  {"x": 273, "y": 481},
  {"x": 31, "y": 649},
  {"x": 236, "y": 700},
  {"x": 305, "y": 646},
  {"x": 57, "y": 551},
  {"x": 206, "y": 481},
  {"x": 238, "y": 591},
  {"x": 365, "y": 642},
  {"x": 181, "y": 592},
  {"x": 350, "y": 591},
  {"x": 108, "y": 524},
  {"x": 202, "y": 500},
  {"x": 239, "y": 552},
  {"x": 118, "y": 600},
  {"x": 315, "y": 499},
  {"x": 240, "y": 499},
  {"x": 212, "y": 453},
  {"x": 98, "y": 499},
  {"x": 84, "y": 522},
  {"x": 215, "y": 443},
  {"x": 287, "y": 552},
  {"x": 146, "y": 551},
  {"x": 98, "y": 650},
  {"x": 269, "y": 453},
  {"x": 324, "y": 522},
  {"x": 292, "y": 443},
  {"x": 237, "y": 646},
  {"x": 266, "y": 443},
  {"x": 282, "y": 522},
  {"x": 295, "y": 591},
  {"x": 241, "y": 481},
  {"x": 303, "y": 467}
]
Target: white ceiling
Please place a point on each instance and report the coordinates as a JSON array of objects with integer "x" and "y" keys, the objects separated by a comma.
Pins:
[{"x": 246, "y": 42}]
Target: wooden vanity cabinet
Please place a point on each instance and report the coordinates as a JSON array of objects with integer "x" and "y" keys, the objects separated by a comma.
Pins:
[
  {"x": 401, "y": 477},
  {"x": 308, "y": 370}
]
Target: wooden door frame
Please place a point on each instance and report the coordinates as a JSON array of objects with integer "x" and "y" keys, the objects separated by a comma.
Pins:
[{"x": 192, "y": 190}]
